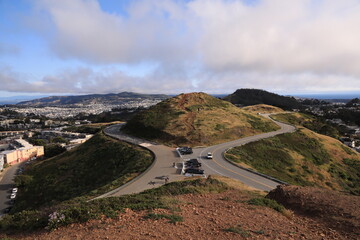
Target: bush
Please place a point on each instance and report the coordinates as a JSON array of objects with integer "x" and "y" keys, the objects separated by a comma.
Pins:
[
  {"x": 239, "y": 230},
  {"x": 267, "y": 203}
]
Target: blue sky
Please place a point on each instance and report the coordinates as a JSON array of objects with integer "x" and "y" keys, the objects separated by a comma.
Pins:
[{"x": 52, "y": 47}]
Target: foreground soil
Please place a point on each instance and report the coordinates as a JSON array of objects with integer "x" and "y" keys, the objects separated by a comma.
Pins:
[
  {"x": 338, "y": 211},
  {"x": 206, "y": 216}
]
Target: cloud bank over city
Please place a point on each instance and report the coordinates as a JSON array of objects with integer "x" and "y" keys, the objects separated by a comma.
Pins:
[{"x": 216, "y": 46}]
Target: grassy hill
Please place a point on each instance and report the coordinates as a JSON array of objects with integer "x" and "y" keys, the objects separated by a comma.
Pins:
[
  {"x": 248, "y": 97},
  {"x": 262, "y": 108},
  {"x": 94, "y": 167},
  {"x": 309, "y": 121},
  {"x": 196, "y": 119},
  {"x": 303, "y": 158}
]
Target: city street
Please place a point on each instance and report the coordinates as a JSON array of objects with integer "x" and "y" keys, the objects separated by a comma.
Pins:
[{"x": 6, "y": 184}]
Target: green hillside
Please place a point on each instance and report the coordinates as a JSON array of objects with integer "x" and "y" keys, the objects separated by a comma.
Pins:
[
  {"x": 248, "y": 97},
  {"x": 303, "y": 158},
  {"x": 94, "y": 167},
  {"x": 309, "y": 121},
  {"x": 196, "y": 119}
]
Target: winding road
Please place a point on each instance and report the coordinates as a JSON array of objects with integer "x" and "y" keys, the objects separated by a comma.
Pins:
[{"x": 166, "y": 157}]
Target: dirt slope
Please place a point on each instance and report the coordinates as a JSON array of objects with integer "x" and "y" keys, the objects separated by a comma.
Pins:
[
  {"x": 227, "y": 215},
  {"x": 336, "y": 210}
]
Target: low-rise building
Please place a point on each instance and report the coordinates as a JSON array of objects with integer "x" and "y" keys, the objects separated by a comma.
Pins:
[{"x": 23, "y": 152}]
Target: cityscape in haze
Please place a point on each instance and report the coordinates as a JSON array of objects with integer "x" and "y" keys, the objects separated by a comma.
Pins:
[{"x": 179, "y": 119}]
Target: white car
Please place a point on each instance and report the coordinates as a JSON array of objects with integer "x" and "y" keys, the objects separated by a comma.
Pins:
[
  {"x": 13, "y": 196},
  {"x": 209, "y": 155},
  {"x": 14, "y": 190}
]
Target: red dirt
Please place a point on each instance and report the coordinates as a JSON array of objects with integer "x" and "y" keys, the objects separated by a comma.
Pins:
[
  {"x": 205, "y": 217},
  {"x": 334, "y": 209}
]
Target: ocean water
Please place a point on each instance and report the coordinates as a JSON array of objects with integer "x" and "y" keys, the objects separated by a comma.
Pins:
[{"x": 329, "y": 96}]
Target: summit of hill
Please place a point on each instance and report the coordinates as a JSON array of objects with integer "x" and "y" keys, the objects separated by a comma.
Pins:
[
  {"x": 246, "y": 97},
  {"x": 196, "y": 119}
]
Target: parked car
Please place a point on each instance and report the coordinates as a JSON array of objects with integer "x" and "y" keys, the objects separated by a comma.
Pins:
[
  {"x": 194, "y": 171},
  {"x": 13, "y": 196},
  {"x": 192, "y": 163},
  {"x": 14, "y": 190},
  {"x": 209, "y": 155},
  {"x": 185, "y": 150},
  {"x": 7, "y": 210}
]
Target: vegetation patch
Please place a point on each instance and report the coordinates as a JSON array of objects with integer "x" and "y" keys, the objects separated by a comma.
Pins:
[
  {"x": 239, "y": 230},
  {"x": 309, "y": 121},
  {"x": 95, "y": 167},
  {"x": 302, "y": 158},
  {"x": 267, "y": 203},
  {"x": 80, "y": 210},
  {"x": 196, "y": 119}
]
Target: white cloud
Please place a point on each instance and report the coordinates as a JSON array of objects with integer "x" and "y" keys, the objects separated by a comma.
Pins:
[{"x": 208, "y": 45}]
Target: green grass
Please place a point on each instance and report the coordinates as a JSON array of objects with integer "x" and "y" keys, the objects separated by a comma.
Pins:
[
  {"x": 78, "y": 210},
  {"x": 95, "y": 167},
  {"x": 239, "y": 230},
  {"x": 260, "y": 124},
  {"x": 90, "y": 129},
  {"x": 311, "y": 122},
  {"x": 275, "y": 157},
  {"x": 265, "y": 202},
  {"x": 196, "y": 119}
]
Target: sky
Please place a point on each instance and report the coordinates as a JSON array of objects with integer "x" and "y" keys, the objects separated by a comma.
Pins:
[{"x": 52, "y": 47}]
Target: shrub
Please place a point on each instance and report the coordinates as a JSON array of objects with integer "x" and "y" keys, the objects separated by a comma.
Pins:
[
  {"x": 267, "y": 203},
  {"x": 239, "y": 230}
]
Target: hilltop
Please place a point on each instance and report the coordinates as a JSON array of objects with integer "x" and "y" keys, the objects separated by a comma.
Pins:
[
  {"x": 111, "y": 98},
  {"x": 196, "y": 119},
  {"x": 256, "y": 96},
  {"x": 263, "y": 108}
]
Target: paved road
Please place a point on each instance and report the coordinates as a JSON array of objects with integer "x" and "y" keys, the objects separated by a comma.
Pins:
[
  {"x": 6, "y": 184},
  {"x": 166, "y": 157}
]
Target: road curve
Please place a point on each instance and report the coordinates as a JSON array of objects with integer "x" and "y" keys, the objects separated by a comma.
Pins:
[{"x": 165, "y": 157}]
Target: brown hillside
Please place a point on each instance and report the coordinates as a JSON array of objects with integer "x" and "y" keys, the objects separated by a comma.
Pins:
[
  {"x": 337, "y": 211},
  {"x": 196, "y": 119},
  {"x": 220, "y": 216}
]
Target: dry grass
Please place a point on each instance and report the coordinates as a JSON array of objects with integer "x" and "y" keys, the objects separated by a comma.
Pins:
[
  {"x": 235, "y": 184},
  {"x": 198, "y": 119},
  {"x": 263, "y": 108}
]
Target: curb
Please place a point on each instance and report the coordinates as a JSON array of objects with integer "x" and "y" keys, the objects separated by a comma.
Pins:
[{"x": 132, "y": 180}]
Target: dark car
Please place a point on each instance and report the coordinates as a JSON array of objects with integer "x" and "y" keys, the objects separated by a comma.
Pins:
[
  {"x": 185, "y": 150},
  {"x": 194, "y": 171},
  {"x": 7, "y": 210},
  {"x": 193, "y": 163}
]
